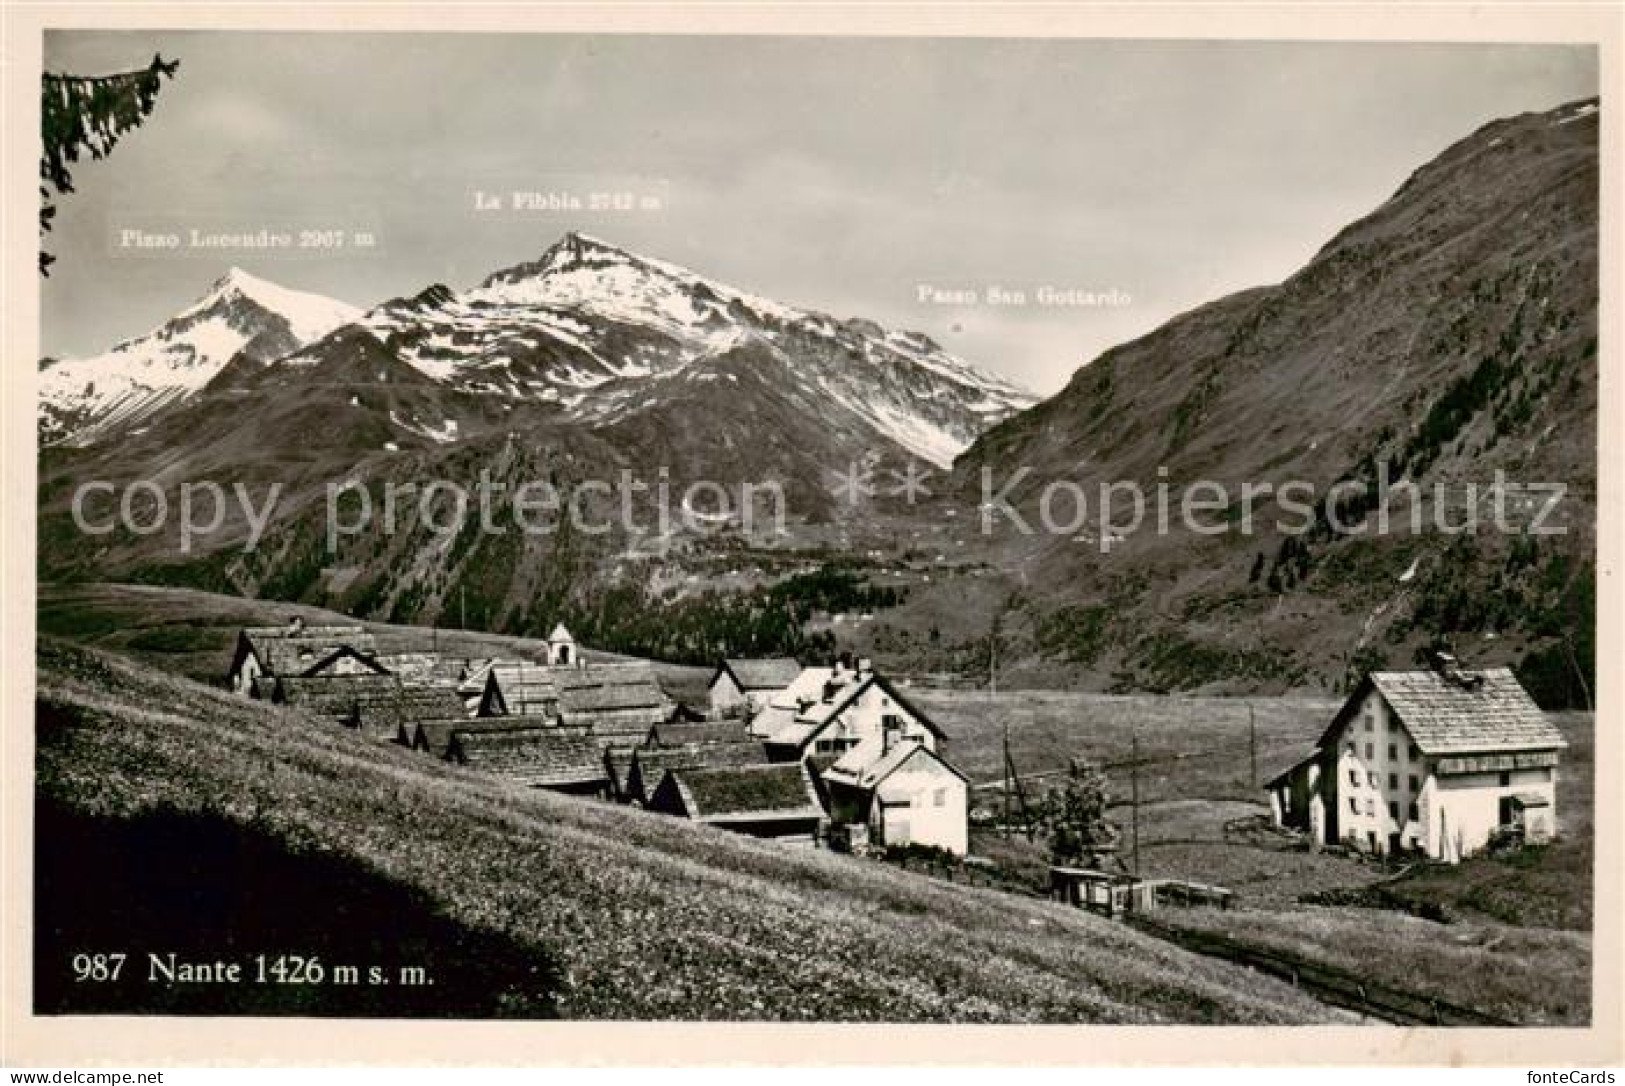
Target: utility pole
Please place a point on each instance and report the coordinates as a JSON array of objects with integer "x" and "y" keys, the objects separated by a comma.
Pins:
[
  {"x": 1252, "y": 747},
  {"x": 462, "y": 607},
  {"x": 1134, "y": 797},
  {"x": 993, "y": 693}
]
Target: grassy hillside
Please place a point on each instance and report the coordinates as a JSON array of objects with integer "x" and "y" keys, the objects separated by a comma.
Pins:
[
  {"x": 1449, "y": 334},
  {"x": 286, "y": 836}
]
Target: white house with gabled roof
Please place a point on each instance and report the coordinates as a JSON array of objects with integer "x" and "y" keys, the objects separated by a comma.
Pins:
[
  {"x": 841, "y": 709},
  {"x": 908, "y": 795},
  {"x": 1431, "y": 761}
]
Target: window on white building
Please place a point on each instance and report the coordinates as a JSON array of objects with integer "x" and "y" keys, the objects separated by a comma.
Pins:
[
  {"x": 1393, "y": 810},
  {"x": 1393, "y": 782},
  {"x": 1354, "y": 777},
  {"x": 939, "y": 798},
  {"x": 1354, "y": 804},
  {"x": 1415, "y": 783}
]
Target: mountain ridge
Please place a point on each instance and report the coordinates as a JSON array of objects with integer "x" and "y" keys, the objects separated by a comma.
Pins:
[
  {"x": 579, "y": 327},
  {"x": 1448, "y": 334}
]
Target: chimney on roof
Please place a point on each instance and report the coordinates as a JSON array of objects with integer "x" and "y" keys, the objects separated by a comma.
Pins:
[
  {"x": 1448, "y": 668},
  {"x": 295, "y": 625},
  {"x": 865, "y": 665}
]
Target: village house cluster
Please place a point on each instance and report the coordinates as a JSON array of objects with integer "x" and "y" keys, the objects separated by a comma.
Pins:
[
  {"x": 1437, "y": 762},
  {"x": 832, "y": 755}
]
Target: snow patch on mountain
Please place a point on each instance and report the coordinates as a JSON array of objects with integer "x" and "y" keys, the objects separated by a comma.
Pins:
[
  {"x": 585, "y": 318},
  {"x": 309, "y": 316}
]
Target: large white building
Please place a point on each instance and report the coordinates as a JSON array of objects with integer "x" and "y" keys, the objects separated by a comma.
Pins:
[
  {"x": 876, "y": 754},
  {"x": 1427, "y": 761}
]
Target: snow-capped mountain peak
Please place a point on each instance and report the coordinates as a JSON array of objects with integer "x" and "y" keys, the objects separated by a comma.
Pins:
[
  {"x": 586, "y": 273},
  {"x": 608, "y": 337},
  {"x": 577, "y": 323},
  {"x": 86, "y": 398},
  {"x": 309, "y": 316}
]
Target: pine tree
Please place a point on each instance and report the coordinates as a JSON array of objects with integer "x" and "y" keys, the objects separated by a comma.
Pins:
[{"x": 80, "y": 114}]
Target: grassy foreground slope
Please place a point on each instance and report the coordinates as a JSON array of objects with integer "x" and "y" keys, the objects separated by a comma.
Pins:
[{"x": 284, "y": 835}]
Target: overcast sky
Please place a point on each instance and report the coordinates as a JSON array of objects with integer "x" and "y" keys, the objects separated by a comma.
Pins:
[{"x": 839, "y": 175}]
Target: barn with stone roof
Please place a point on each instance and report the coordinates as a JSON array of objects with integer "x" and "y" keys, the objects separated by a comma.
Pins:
[
  {"x": 336, "y": 697},
  {"x": 771, "y": 801},
  {"x": 649, "y": 764},
  {"x": 743, "y": 687},
  {"x": 616, "y": 701},
  {"x": 433, "y": 737},
  {"x": 383, "y": 712},
  {"x": 548, "y": 758},
  {"x": 678, "y": 733},
  {"x": 519, "y": 689},
  {"x": 298, "y": 649},
  {"x": 1433, "y": 761}
]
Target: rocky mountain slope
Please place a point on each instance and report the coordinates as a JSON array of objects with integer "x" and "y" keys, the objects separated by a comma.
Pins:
[
  {"x": 604, "y": 336},
  {"x": 609, "y": 335},
  {"x": 1446, "y": 336},
  {"x": 588, "y": 366}
]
